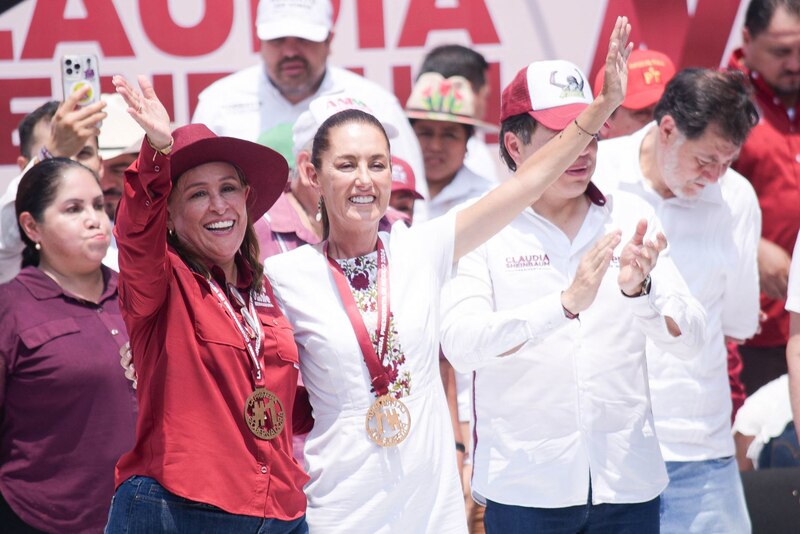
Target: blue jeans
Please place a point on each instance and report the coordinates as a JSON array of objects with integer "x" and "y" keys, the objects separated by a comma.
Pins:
[
  {"x": 142, "y": 506},
  {"x": 704, "y": 497},
  {"x": 781, "y": 451},
  {"x": 636, "y": 518}
]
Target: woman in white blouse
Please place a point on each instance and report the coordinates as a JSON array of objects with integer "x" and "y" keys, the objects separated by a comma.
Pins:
[{"x": 364, "y": 306}]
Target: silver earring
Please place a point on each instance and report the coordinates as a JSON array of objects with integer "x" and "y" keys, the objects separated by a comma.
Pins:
[
  {"x": 320, "y": 205},
  {"x": 37, "y": 246}
]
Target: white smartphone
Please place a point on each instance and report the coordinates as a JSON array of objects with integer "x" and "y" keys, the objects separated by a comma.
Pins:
[{"x": 77, "y": 71}]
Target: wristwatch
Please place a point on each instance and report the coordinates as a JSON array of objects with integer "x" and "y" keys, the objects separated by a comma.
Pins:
[{"x": 644, "y": 291}]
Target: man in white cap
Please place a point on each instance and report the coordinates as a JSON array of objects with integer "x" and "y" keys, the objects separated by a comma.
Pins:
[
  {"x": 262, "y": 102},
  {"x": 552, "y": 315},
  {"x": 120, "y": 140}
]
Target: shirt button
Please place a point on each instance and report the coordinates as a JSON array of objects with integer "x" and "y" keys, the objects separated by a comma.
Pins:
[
  {"x": 147, "y": 203},
  {"x": 114, "y": 331},
  {"x": 263, "y": 470},
  {"x": 156, "y": 168},
  {"x": 274, "y": 321}
]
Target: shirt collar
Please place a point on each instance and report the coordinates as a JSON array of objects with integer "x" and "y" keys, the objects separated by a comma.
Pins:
[
  {"x": 243, "y": 269},
  {"x": 737, "y": 62},
  {"x": 42, "y": 287}
]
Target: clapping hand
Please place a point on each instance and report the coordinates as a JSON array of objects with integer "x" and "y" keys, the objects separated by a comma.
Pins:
[{"x": 638, "y": 258}]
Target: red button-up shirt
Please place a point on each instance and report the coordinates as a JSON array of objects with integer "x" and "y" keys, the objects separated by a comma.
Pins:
[
  {"x": 770, "y": 159},
  {"x": 194, "y": 371}
]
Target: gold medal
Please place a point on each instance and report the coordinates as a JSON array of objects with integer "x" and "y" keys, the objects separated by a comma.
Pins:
[
  {"x": 263, "y": 413},
  {"x": 388, "y": 421}
]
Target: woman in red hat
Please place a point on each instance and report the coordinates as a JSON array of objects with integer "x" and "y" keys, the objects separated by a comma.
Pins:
[{"x": 216, "y": 361}]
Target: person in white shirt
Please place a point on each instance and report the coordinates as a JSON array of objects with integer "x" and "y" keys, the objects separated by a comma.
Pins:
[
  {"x": 52, "y": 130},
  {"x": 262, "y": 102},
  {"x": 552, "y": 314},
  {"x": 680, "y": 165},
  {"x": 364, "y": 306}
]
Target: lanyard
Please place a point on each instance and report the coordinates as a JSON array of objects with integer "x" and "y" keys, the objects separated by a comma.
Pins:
[
  {"x": 380, "y": 378},
  {"x": 253, "y": 339}
]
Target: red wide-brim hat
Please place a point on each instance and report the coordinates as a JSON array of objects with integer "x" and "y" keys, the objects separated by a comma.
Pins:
[{"x": 265, "y": 171}]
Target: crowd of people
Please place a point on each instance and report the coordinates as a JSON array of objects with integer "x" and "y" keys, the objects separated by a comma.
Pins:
[{"x": 337, "y": 313}]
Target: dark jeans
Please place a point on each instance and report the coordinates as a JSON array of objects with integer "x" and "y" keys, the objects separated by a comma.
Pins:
[
  {"x": 637, "y": 518},
  {"x": 142, "y": 506},
  {"x": 781, "y": 451}
]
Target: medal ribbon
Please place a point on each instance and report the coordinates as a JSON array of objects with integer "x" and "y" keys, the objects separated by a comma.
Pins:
[
  {"x": 250, "y": 315},
  {"x": 380, "y": 378}
]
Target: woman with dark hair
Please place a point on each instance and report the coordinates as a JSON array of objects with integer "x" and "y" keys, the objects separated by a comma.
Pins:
[
  {"x": 66, "y": 411},
  {"x": 364, "y": 306},
  {"x": 216, "y": 361}
]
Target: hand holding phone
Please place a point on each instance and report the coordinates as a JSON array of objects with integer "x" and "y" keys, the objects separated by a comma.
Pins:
[{"x": 77, "y": 72}]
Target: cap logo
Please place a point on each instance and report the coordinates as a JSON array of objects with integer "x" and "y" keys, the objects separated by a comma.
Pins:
[
  {"x": 572, "y": 86},
  {"x": 399, "y": 174},
  {"x": 652, "y": 76},
  {"x": 339, "y": 104}
]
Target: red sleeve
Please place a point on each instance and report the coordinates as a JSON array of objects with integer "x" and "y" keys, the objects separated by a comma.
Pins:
[
  {"x": 141, "y": 233},
  {"x": 302, "y": 420}
]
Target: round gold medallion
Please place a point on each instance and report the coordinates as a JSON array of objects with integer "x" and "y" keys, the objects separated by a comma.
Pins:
[
  {"x": 388, "y": 421},
  {"x": 263, "y": 412}
]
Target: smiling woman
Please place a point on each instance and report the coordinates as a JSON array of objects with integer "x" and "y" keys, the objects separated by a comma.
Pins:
[{"x": 216, "y": 362}]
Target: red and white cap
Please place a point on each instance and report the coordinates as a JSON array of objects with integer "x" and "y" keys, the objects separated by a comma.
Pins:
[
  {"x": 403, "y": 178},
  {"x": 552, "y": 92}
]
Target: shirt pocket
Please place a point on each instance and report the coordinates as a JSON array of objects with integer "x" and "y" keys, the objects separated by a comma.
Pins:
[
  {"x": 213, "y": 325},
  {"x": 279, "y": 340},
  {"x": 36, "y": 336}
]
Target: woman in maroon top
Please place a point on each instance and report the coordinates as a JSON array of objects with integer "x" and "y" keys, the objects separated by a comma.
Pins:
[
  {"x": 216, "y": 360},
  {"x": 66, "y": 411}
]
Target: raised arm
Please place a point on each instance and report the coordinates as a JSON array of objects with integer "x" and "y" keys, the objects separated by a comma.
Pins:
[
  {"x": 483, "y": 219},
  {"x": 141, "y": 227}
]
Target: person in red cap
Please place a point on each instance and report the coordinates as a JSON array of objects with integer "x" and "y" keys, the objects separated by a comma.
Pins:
[
  {"x": 216, "y": 361},
  {"x": 553, "y": 316},
  {"x": 404, "y": 189},
  {"x": 648, "y": 74}
]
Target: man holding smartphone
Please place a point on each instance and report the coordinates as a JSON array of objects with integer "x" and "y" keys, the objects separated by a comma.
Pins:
[{"x": 52, "y": 130}]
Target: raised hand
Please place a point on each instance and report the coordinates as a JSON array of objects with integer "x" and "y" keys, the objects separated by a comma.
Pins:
[
  {"x": 72, "y": 126},
  {"x": 616, "y": 67},
  {"x": 591, "y": 269},
  {"x": 638, "y": 258},
  {"x": 146, "y": 109}
]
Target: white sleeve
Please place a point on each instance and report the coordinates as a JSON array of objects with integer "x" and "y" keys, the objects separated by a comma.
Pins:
[
  {"x": 793, "y": 292},
  {"x": 740, "y": 305},
  {"x": 670, "y": 297},
  {"x": 206, "y": 113},
  {"x": 11, "y": 245},
  {"x": 473, "y": 333}
]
